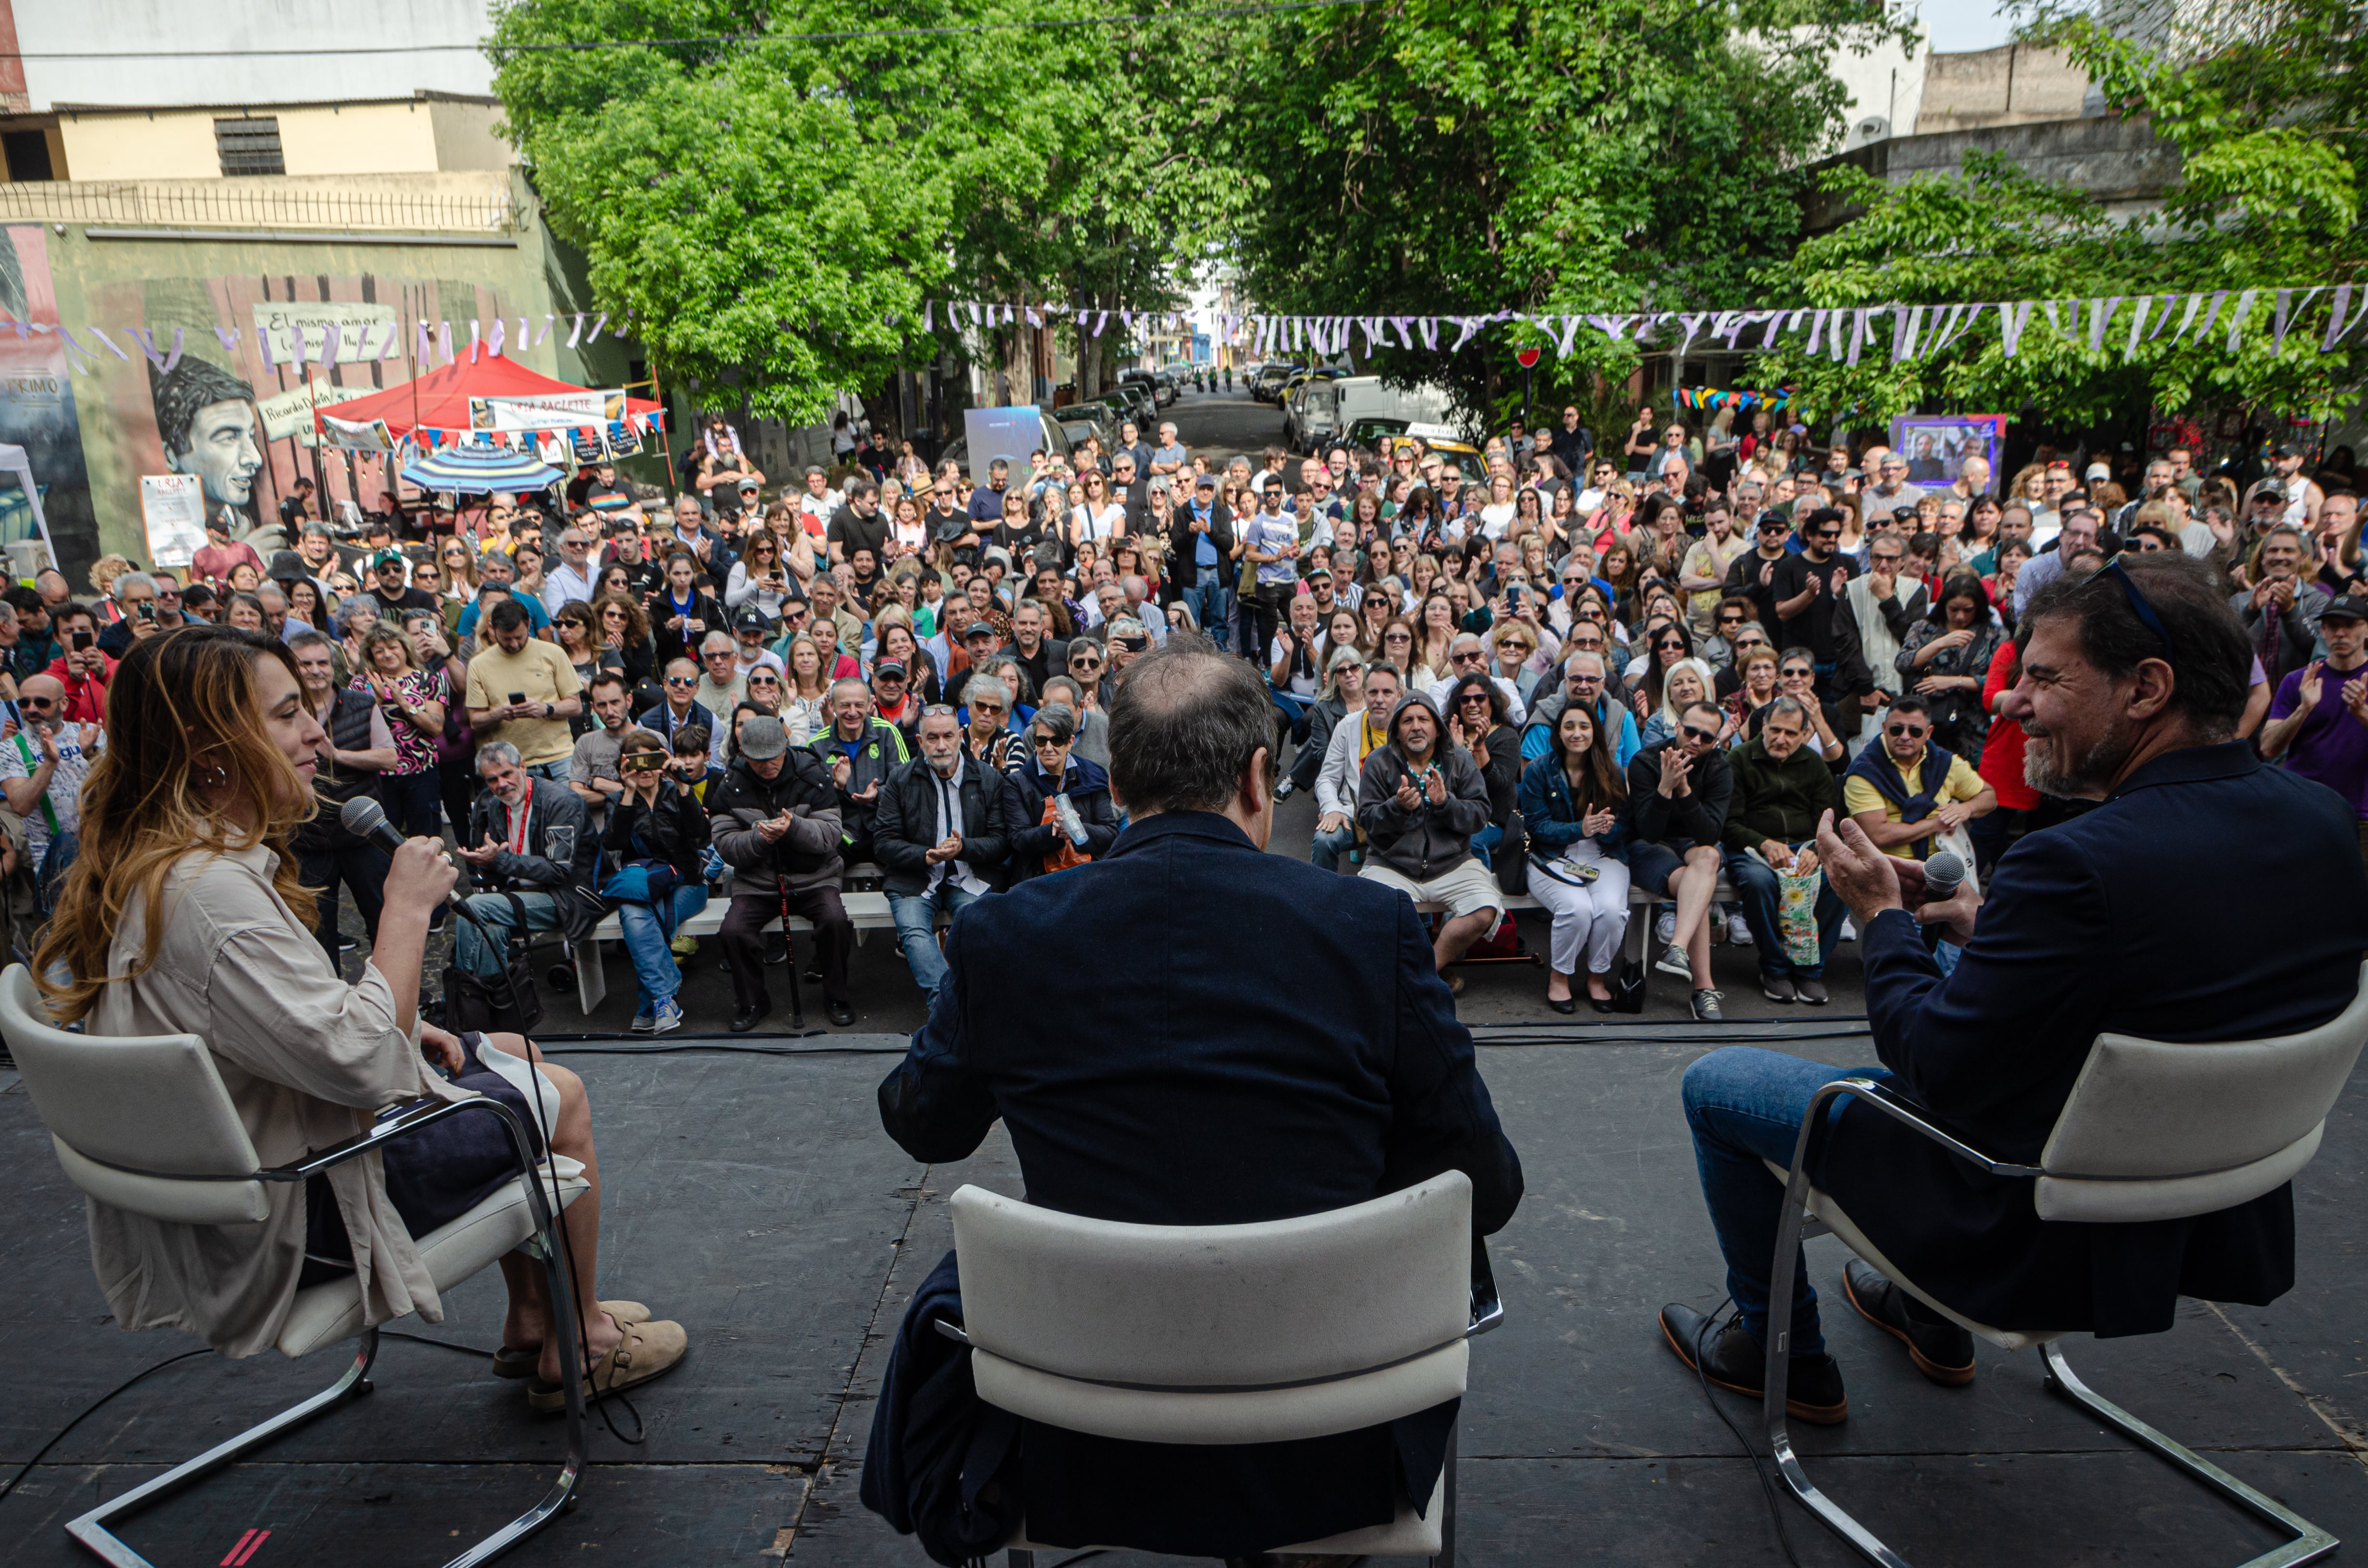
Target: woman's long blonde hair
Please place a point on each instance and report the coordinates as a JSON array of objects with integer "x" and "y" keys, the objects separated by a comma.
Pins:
[{"x": 183, "y": 723}]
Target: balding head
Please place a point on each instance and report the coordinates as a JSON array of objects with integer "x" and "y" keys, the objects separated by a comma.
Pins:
[
  {"x": 49, "y": 686},
  {"x": 1185, "y": 728}
]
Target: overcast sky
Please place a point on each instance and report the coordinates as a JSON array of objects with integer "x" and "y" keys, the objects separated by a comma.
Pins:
[{"x": 1957, "y": 25}]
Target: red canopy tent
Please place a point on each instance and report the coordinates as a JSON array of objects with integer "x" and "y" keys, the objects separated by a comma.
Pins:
[{"x": 439, "y": 400}]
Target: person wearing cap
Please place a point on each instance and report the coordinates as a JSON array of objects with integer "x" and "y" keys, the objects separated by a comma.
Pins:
[
  {"x": 748, "y": 631},
  {"x": 2318, "y": 719},
  {"x": 390, "y": 577},
  {"x": 777, "y": 823},
  {"x": 1419, "y": 802},
  {"x": 979, "y": 643},
  {"x": 1201, "y": 546}
]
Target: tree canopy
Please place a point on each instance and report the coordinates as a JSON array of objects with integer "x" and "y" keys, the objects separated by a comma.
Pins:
[{"x": 2264, "y": 106}]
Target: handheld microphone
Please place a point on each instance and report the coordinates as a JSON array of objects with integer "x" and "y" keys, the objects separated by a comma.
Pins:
[
  {"x": 365, "y": 818},
  {"x": 1943, "y": 874}
]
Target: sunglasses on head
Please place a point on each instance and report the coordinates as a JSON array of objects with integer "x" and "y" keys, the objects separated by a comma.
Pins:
[{"x": 2139, "y": 606}]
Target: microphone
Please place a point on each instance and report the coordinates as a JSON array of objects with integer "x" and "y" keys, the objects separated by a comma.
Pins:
[
  {"x": 365, "y": 818},
  {"x": 1943, "y": 874}
]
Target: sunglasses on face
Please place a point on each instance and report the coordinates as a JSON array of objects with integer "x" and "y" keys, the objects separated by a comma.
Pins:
[
  {"x": 1046, "y": 743},
  {"x": 1751, "y": 641},
  {"x": 1913, "y": 731},
  {"x": 1694, "y": 734},
  {"x": 38, "y": 702},
  {"x": 1587, "y": 680},
  {"x": 1797, "y": 672},
  {"x": 1469, "y": 656},
  {"x": 1472, "y": 698},
  {"x": 1672, "y": 646}
]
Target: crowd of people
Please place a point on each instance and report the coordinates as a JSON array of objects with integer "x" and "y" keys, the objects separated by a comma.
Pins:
[{"x": 1540, "y": 668}]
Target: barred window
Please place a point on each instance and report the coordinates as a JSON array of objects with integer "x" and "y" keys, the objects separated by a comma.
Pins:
[{"x": 249, "y": 146}]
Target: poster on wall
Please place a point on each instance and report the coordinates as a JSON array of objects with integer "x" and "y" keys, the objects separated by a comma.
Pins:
[
  {"x": 290, "y": 413},
  {"x": 173, "y": 507},
  {"x": 299, "y": 332},
  {"x": 1936, "y": 444},
  {"x": 38, "y": 409}
]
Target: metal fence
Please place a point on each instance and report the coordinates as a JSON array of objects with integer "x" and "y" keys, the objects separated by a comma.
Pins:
[{"x": 240, "y": 203}]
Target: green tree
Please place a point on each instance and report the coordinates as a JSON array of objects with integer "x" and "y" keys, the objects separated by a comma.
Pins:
[
  {"x": 1429, "y": 156},
  {"x": 775, "y": 208},
  {"x": 2265, "y": 107}
]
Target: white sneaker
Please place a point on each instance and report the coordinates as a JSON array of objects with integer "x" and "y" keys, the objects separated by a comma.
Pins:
[
  {"x": 1674, "y": 961},
  {"x": 1849, "y": 931},
  {"x": 1664, "y": 929},
  {"x": 668, "y": 1018},
  {"x": 1738, "y": 932}
]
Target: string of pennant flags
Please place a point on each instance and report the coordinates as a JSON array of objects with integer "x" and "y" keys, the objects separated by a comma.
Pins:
[
  {"x": 371, "y": 343},
  {"x": 1844, "y": 335}
]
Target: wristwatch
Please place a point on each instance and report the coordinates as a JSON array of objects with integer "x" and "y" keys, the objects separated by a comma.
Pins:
[{"x": 547, "y": 710}]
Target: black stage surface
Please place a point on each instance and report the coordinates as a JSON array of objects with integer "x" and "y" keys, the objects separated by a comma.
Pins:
[{"x": 754, "y": 1199}]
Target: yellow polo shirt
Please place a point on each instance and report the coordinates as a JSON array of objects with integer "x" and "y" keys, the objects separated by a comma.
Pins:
[{"x": 1962, "y": 784}]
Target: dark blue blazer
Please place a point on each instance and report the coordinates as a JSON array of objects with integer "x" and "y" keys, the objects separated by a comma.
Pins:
[
  {"x": 2208, "y": 898},
  {"x": 1286, "y": 1049}
]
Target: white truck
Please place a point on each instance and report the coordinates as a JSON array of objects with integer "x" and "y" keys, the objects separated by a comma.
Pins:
[{"x": 1334, "y": 408}]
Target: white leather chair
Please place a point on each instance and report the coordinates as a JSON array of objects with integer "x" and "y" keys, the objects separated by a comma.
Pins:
[
  {"x": 144, "y": 1124},
  {"x": 2152, "y": 1130},
  {"x": 1231, "y": 1334}
]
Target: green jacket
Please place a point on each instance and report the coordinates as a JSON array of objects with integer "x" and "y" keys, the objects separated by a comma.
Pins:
[
  {"x": 1777, "y": 799},
  {"x": 879, "y": 753}
]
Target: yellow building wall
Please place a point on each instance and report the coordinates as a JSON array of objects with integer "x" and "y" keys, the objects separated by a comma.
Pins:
[
  {"x": 416, "y": 137},
  {"x": 164, "y": 145}
]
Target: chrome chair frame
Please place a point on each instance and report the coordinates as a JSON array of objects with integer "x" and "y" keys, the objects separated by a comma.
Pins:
[
  {"x": 2310, "y": 1542},
  {"x": 93, "y": 1528},
  {"x": 1487, "y": 1313}
]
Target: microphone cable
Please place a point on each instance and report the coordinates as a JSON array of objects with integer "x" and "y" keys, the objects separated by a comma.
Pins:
[{"x": 1767, "y": 1486}]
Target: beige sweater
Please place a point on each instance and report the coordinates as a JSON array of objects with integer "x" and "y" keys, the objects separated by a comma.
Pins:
[{"x": 308, "y": 1061}]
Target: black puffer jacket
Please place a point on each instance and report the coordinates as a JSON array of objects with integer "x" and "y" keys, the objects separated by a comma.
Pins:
[{"x": 808, "y": 855}]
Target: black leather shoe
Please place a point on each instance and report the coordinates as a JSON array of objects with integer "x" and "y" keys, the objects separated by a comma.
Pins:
[
  {"x": 1942, "y": 1352},
  {"x": 1734, "y": 1359},
  {"x": 747, "y": 1019},
  {"x": 1600, "y": 1004},
  {"x": 840, "y": 1013},
  {"x": 1563, "y": 1004}
]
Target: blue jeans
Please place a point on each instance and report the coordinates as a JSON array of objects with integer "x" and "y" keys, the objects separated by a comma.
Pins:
[
  {"x": 916, "y": 915},
  {"x": 1329, "y": 847},
  {"x": 1211, "y": 603},
  {"x": 475, "y": 954},
  {"x": 1755, "y": 883},
  {"x": 1744, "y": 1105},
  {"x": 647, "y": 943},
  {"x": 555, "y": 771}
]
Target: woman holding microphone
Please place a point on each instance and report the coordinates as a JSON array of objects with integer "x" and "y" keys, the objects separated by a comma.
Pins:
[{"x": 184, "y": 915}]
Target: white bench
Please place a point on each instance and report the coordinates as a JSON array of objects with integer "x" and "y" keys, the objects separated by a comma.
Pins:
[{"x": 869, "y": 911}]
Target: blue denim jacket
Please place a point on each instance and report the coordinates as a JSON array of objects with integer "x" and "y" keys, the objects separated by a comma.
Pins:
[{"x": 1551, "y": 817}]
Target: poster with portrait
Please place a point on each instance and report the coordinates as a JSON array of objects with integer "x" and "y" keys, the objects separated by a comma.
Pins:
[{"x": 1936, "y": 444}]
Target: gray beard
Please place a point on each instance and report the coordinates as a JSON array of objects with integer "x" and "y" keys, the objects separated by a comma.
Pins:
[{"x": 2091, "y": 773}]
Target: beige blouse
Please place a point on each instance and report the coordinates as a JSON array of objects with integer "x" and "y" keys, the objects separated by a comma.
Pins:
[{"x": 308, "y": 1061}]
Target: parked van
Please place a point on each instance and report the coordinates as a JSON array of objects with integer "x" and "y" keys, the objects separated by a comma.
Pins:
[{"x": 1326, "y": 409}]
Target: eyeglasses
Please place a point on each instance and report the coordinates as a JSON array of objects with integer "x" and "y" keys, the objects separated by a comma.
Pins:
[
  {"x": 2138, "y": 604},
  {"x": 1915, "y": 732},
  {"x": 1586, "y": 680},
  {"x": 1730, "y": 620},
  {"x": 682, "y": 680},
  {"x": 1046, "y": 743},
  {"x": 1397, "y": 637},
  {"x": 1749, "y": 641}
]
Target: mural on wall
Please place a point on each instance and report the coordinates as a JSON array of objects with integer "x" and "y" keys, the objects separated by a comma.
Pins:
[
  {"x": 233, "y": 408},
  {"x": 37, "y": 404}
]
